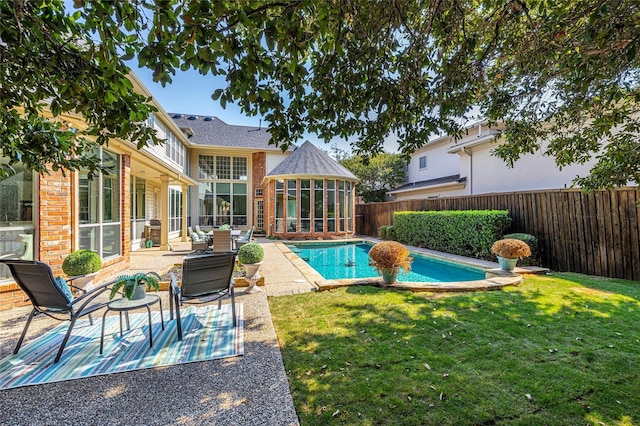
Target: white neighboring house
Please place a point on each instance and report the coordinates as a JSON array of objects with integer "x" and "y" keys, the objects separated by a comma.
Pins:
[{"x": 445, "y": 167}]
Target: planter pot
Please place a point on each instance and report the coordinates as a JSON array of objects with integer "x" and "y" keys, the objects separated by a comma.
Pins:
[
  {"x": 389, "y": 275},
  {"x": 507, "y": 264},
  {"x": 140, "y": 293},
  {"x": 252, "y": 276},
  {"x": 84, "y": 282}
]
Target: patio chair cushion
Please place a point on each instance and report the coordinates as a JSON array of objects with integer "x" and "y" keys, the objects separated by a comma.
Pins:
[{"x": 64, "y": 288}]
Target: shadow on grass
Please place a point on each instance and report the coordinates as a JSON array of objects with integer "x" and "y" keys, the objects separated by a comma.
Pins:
[{"x": 552, "y": 351}]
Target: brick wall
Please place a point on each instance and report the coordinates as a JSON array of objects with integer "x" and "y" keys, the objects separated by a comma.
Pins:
[
  {"x": 54, "y": 220},
  {"x": 258, "y": 172}
]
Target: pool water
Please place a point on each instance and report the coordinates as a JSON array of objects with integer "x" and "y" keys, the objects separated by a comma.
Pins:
[{"x": 351, "y": 260}]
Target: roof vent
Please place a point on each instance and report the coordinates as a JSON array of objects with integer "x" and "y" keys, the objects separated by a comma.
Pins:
[
  {"x": 192, "y": 117},
  {"x": 177, "y": 116},
  {"x": 208, "y": 119}
]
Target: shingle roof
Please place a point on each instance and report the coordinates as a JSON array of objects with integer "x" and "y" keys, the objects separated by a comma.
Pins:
[
  {"x": 212, "y": 131},
  {"x": 430, "y": 182},
  {"x": 309, "y": 160}
]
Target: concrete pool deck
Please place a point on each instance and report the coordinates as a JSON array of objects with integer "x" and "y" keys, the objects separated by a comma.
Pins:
[{"x": 496, "y": 278}]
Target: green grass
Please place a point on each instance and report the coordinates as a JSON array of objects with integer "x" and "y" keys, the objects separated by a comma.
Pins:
[{"x": 557, "y": 350}]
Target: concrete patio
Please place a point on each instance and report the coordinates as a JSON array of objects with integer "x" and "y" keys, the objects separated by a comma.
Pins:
[{"x": 247, "y": 390}]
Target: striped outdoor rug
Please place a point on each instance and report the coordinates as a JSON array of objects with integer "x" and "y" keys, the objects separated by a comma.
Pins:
[{"x": 208, "y": 333}]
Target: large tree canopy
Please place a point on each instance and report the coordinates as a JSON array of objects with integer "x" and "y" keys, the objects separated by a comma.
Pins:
[
  {"x": 562, "y": 70},
  {"x": 378, "y": 175}
]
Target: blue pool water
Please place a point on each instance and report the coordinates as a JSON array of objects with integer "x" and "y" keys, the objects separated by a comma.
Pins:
[{"x": 351, "y": 260}]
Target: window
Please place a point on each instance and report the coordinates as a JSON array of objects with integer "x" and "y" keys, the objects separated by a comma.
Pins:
[
  {"x": 423, "y": 162},
  {"x": 239, "y": 168},
  {"x": 205, "y": 167},
  {"x": 223, "y": 167},
  {"x": 239, "y": 204},
  {"x": 342, "y": 204},
  {"x": 331, "y": 206},
  {"x": 349, "y": 206},
  {"x": 318, "y": 205},
  {"x": 224, "y": 199},
  {"x": 223, "y": 204},
  {"x": 138, "y": 207},
  {"x": 305, "y": 205},
  {"x": 279, "y": 201},
  {"x": 292, "y": 211},
  {"x": 258, "y": 192},
  {"x": 99, "y": 208},
  {"x": 174, "y": 150},
  {"x": 175, "y": 210},
  {"x": 16, "y": 215}
]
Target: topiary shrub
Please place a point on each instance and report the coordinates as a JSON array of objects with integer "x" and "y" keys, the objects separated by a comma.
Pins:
[
  {"x": 251, "y": 253},
  {"x": 532, "y": 242},
  {"x": 81, "y": 262}
]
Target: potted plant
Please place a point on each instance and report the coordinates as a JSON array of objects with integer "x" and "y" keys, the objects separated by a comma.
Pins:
[
  {"x": 388, "y": 257},
  {"x": 135, "y": 286},
  {"x": 82, "y": 266},
  {"x": 251, "y": 255},
  {"x": 508, "y": 251}
]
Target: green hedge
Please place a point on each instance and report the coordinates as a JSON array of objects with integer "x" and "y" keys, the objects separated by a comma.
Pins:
[
  {"x": 466, "y": 233},
  {"x": 532, "y": 242}
]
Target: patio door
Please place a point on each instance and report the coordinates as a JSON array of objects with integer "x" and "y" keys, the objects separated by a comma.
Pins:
[{"x": 258, "y": 214}]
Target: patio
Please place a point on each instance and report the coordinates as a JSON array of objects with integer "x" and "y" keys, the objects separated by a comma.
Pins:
[{"x": 251, "y": 389}]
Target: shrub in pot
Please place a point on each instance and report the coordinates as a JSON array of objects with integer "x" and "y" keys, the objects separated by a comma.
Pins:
[
  {"x": 250, "y": 253},
  {"x": 508, "y": 251},
  {"x": 388, "y": 257},
  {"x": 532, "y": 242},
  {"x": 81, "y": 262}
]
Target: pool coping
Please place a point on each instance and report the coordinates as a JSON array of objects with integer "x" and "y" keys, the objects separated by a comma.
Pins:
[{"x": 496, "y": 278}]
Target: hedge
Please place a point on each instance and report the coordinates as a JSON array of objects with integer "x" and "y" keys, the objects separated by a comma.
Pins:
[{"x": 466, "y": 233}]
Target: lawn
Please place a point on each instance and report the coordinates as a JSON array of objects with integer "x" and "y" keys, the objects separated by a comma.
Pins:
[{"x": 562, "y": 349}]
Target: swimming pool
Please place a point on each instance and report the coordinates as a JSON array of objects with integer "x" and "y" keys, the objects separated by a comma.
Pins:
[{"x": 336, "y": 261}]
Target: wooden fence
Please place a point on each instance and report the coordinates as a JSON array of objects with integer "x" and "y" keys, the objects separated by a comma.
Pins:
[{"x": 596, "y": 233}]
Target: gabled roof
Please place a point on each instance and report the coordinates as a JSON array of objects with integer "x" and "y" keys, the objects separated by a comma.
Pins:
[
  {"x": 309, "y": 160},
  {"x": 211, "y": 131}
]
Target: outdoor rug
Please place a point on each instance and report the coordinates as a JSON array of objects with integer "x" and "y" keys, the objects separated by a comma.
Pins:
[{"x": 207, "y": 333}]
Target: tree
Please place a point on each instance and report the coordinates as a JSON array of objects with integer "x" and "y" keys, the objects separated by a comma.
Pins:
[
  {"x": 49, "y": 62},
  {"x": 378, "y": 174},
  {"x": 565, "y": 71}
]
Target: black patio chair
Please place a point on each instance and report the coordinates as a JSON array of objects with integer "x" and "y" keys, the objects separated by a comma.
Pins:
[
  {"x": 203, "y": 275},
  {"x": 49, "y": 297}
]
